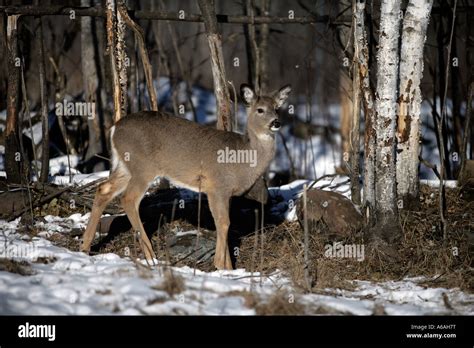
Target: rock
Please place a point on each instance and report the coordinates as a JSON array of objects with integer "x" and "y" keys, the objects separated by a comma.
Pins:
[
  {"x": 466, "y": 176},
  {"x": 12, "y": 202},
  {"x": 336, "y": 211},
  {"x": 466, "y": 181}
]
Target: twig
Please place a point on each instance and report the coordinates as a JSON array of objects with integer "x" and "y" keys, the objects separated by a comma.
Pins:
[
  {"x": 442, "y": 198},
  {"x": 139, "y": 34},
  {"x": 236, "y": 105},
  {"x": 261, "y": 242},
  {"x": 292, "y": 165},
  {"x": 306, "y": 240},
  {"x": 62, "y": 127},
  {"x": 467, "y": 125},
  {"x": 431, "y": 166},
  {"x": 255, "y": 246},
  {"x": 199, "y": 221}
]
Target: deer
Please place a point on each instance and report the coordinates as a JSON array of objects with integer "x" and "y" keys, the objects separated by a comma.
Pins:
[{"x": 150, "y": 144}]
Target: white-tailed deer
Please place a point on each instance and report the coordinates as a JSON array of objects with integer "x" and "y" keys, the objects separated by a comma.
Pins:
[{"x": 221, "y": 164}]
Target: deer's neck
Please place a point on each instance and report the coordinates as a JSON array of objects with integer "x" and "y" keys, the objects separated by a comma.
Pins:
[{"x": 264, "y": 144}]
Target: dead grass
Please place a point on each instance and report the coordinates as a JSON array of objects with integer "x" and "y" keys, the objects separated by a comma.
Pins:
[
  {"x": 18, "y": 267},
  {"x": 421, "y": 252},
  {"x": 280, "y": 303},
  {"x": 172, "y": 284}
]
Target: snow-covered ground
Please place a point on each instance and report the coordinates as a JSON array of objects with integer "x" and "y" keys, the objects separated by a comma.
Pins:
[{"x": 76, "y": 283}]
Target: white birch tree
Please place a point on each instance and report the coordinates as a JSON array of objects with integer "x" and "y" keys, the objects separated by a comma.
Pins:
[
  {"x": 386, "y": 117},
  {"x": 415, "y": 24}
]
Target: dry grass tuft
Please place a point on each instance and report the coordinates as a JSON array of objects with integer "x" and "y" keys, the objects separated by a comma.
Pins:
[
  {"x": 280, "y": 303},
  {"x": 173, "y": 284},
  {"x": 19, "y": 267}
]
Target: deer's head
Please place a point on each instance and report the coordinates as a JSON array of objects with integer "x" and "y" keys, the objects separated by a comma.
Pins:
[{"x": 262, "y": 117}]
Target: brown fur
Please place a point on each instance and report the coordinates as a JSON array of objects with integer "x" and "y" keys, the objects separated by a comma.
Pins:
[{"x": 150, "y": 144}]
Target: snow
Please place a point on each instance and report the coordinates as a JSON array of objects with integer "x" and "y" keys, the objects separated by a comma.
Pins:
[
  {"x": 435, "y": 183},
  {"x": 79, "y": 284},
  {"x": 79, "y": 179}
]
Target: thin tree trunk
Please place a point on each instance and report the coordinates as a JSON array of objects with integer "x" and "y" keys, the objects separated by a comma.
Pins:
[
  {"x": 355, "y": 124},
  {"x": 116, "y": 51},
  {"x": 369, "y": 114},
  {"x": 224, "y": 114},
  {"x": 346, "y": 114},
  {"x": 456, "y": 98},
  {"x": 253, "y": 54},
  {"x": 415, "y": 24},
  {"x": 90, "y": 84},
  {"x": 442, "y": 196},
  {"x": 386, "y": 117},
  {"x": 134, "y": 78},
  {"x": 264, "y": 55},
  {"x": 467, "y": 125},
  {"x": 443, "y": 150},
  {"x": 44, "y": 103},
  {"x": 13, "y": 160},
  {"x": 468, "y": 133},
  {"x": 140, "y": 36}
]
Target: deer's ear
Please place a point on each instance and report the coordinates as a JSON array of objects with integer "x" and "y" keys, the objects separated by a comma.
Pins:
[
  {"x": 281, "y": 96},
  {"x": 247, "y": 94}
]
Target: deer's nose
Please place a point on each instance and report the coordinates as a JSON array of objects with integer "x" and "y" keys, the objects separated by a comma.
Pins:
[{"x": 275, "y": 125}]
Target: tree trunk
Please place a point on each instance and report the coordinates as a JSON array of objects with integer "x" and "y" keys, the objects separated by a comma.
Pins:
[
  {"x": 90, "y": 84},
  {"x": 415, "y": 25},
  {"x": 13, "y": 157},
  {"x": 264, "y": 37},
  {"x": 345, "y": 88},
  {"x": 140, "y": 37},
  {"x": 116, "y": 50},
  {"x": 224, "y": 115},
  {"x": 369, "y": 114},
  {"x": 355, "y": 124},
  {"x": 468, "y": 132},
  {"x": 44, "y": 103},
  {"x": 253, "y": 56},
  {"x": 386, "y": 117}
]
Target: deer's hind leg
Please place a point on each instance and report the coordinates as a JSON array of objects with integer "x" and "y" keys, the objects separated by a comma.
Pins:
[
  {"x": 106, "y": 191},
  {"x": 130, "y": 202}
]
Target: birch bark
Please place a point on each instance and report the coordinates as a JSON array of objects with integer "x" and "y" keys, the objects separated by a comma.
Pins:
[
  {"x": 386, "y": 116},
  {"x": 415, "y": 24}
]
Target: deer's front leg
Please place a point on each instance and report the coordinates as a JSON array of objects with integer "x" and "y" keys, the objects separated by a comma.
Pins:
[{"x": 219, "y": 205}]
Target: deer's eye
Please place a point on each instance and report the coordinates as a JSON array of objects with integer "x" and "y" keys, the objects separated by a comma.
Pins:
[{"x": 260, "y": 110}]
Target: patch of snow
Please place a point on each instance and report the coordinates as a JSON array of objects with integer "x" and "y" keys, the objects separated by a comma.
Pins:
[
  {"x": 435, "y": 183},
  {"x": 78, "y": 179}
]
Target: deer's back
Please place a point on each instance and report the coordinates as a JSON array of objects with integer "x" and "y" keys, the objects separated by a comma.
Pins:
[{"x": 159, "y": 144}]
